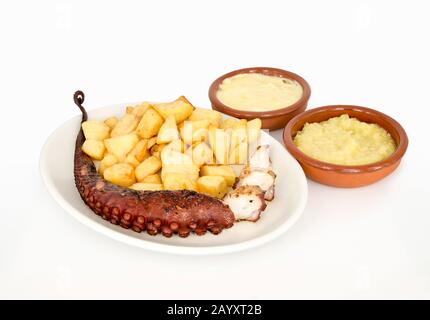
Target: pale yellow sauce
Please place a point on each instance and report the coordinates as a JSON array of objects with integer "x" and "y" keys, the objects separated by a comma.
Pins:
[
  {"x": 258, "y": 92},
  {"x": 345, "y": 141}
]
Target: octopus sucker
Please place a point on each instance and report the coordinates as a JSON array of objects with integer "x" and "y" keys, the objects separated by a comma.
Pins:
[{"x": 166, "y": 212}]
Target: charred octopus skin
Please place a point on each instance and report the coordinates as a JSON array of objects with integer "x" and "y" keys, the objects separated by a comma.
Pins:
[{"x": 167, "y": 212}]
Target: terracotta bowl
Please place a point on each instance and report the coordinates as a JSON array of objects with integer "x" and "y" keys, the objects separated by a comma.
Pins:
[
  {"x": 339, "y": 175},
  {"x": 275, "y": 119}
]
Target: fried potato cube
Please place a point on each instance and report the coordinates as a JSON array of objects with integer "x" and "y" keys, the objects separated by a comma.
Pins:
[
  {"x": 253, "y": 130},
  {"x": 194, "y": 131},
  {"x": 170, "y": 156},
  {"x": 178, "y": 181},
  {"x": 120, "y": 146},
  {"x": 156, "y": 150},
  {"x": 240, "y": 124},
  {"x": 214, "y": 186},
  {"x": 238, "y": 134},
  {"x": 214, "y": 117},
  {"x": 132, "y": 160},
  {"x": 176, "y": 145},
  {"x": 140, "y": 109},
  {"x": 181, "y": 109},
  {"x": 189, "y": 169},
  {"x": 201, "y": 154},
  {"x": 168, "y": 131},
  {"x": 151, "y": 142},
  {"x": 95, "y": 130},
  {"x": 224, "y": 171},
  {"x": 219, "y": 141},
  {"x": 152, "y": 178},
  {"x": 228, "y": 123},
  {"x": 147, "y": 186},
  {"x": 239, "y": 155},
  {"x": 121, "y": 174},
  {"x": 125, "y": 125},
  {"x": 108, "y": 161},
  {"x": 170, "y": 151},
  {"x": 238, "y": 143},
  {"x": 111, "y": 122},
  {"x": 149, "y": 166},
  {"x": 149, "y": 124},
  {"x": 140, "y": 150},
  {"x": 94, "y": 148}
]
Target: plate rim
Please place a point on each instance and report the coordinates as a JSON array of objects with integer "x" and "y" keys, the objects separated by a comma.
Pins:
[{"x": 160, "y": 247}]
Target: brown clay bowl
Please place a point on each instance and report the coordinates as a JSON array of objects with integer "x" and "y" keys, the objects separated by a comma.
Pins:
[
  {"x": 275, "y": 119},
  {"x": 339, "y": 175}
]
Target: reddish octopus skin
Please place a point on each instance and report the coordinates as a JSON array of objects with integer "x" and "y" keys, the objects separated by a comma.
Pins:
[{"x": 167, "y": 212}]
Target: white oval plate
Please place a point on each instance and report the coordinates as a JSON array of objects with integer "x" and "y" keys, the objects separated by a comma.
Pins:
[{"x": 56, "y": 167}]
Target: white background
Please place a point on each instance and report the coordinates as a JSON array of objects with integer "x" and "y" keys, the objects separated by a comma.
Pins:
[{"x": 371, "y": 242}]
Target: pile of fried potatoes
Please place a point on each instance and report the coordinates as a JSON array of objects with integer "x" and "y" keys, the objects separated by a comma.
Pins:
[{"x": 170, "y": 146}]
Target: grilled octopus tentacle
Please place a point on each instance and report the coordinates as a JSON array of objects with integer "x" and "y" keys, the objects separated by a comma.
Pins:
[{"x": 167, "y": 212}]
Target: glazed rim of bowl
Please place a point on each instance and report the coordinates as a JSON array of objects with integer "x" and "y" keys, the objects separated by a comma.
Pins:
[
  {"x": 401, "y": 145},
  {"x": 213, "y": 89}
]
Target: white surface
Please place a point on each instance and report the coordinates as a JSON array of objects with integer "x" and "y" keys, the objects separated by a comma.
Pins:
[
  {"x": 281, "y": 213},
  {"x": 371, "y": 242}
]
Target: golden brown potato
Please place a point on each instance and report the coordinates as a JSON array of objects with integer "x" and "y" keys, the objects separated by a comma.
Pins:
[
  {"x": 121, "y": 174},
  {"x": 214, "y": 117},
  {"x": 140, "y": 150},
  {"x": 125, "y": 125},
  {"x": 253, "y": 130},
  {"x": 108, "y": 161},
  {"x": 181, "y": 109},
  {"x": 178, "y": 181},
  {"x": 238, "y": 133},
  {"x": 147, "y": 186},
  {"x": 129, "y": 109},
  {"x": 190, "y": 170},
  {"x": 228, "y": 123},
  {"x": 171, "y": 156},
  {"x": 151, "y": 142},
  {"x": 224, "y": 171},
  {"x": 95, "y": 130},
  {"x": 152, "y": 178},
  {"x": 149, "y": 166},
  {"x": 149, "y": 124},
  {"x": 156, "y": 150},
  {"x": 94, "y": 148},
  {"x": 140, "y": 109},
  {"x": 214, "y": 186},
  {"x": 132, "y": 160},
  {"x": 176, "y": 145},
  {"x": 111, "y": 122},
  {"x": 239, "y": 155},
  {"x": 238, "y": 152},
  {"x": 168, "y": 131},
  {"x": 201, "y": 154},
  {"x": 240, "y": 124},
  {"x": 194, "y": 131},
  {"x": 120, "y": 146},
  {"x": 219, "y": 141}
]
